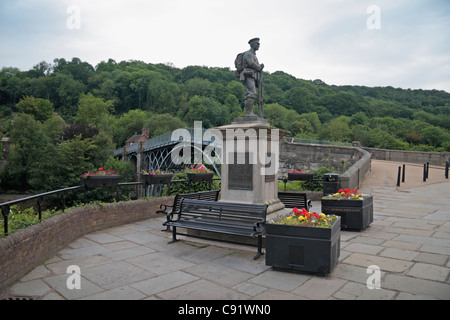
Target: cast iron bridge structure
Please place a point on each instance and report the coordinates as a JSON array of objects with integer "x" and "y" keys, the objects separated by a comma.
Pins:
[{"x": 156, "y": 153}]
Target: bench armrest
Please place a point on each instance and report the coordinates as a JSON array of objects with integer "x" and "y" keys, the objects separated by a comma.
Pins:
[
  {"x": 170, "y": 215},
  {"x": 259, "y": 226},
  {"x": 163, "y": 207}
]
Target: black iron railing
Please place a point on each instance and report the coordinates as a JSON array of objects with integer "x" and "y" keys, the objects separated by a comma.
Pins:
[{"x": 39, "y": 198}]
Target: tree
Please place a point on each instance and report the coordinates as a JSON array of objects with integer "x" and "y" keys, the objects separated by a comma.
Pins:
[
  {"x": 163, "y": 123},
  {"x": 92, "y": 110},
  {"x": 434, "y": 136},
  {"x": 129, "y": 123},
  {"x": 237, "y": 89},
  {"x": 207, "y": 110},
  {"x": 29, "y": 144},
  {"x": 68, "y": 94},
  {"x": 342, "y": 103},
  {"x": 337, "y": 130},
  {"x": 276, "y": 114},
  {"x": 301, "y": 128},
  {"x": 40, "y": 109}
]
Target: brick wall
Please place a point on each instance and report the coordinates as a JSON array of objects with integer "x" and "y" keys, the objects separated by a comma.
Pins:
[{"x": 23, "y": 250}]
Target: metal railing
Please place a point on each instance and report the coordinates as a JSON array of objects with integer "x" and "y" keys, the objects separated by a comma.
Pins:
[{"x": 39, "y": 198}]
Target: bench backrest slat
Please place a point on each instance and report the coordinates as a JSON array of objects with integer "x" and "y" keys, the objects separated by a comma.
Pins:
[
  {"x": 205, "y": 195},
  {"x": 231, "y": 213},
  {"x": 291, "y": 200}
]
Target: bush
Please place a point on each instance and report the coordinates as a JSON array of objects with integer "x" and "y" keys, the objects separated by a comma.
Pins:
[
  {"x": 305, "y": 185},
  {"x": 183, "y": 187}
]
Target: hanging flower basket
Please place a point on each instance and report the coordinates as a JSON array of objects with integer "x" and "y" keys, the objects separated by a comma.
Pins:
[
  {"x": 100, "y": 179},
  {"x": 199, "y": 173},
  {"x": 306, "y": 245},
  {"x": 156, "y": 177}
]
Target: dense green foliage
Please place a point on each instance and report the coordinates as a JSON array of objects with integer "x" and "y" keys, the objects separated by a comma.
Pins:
[{"x": 100, "y": 107}]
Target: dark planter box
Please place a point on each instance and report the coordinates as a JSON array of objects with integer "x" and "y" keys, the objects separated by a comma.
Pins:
[
  {"x": 307, "y": 249},
  {"x": 300, "y": 176},
  {"x": 200, "y": 177},
  {"x": 92, "y": 182},
  {"x": 355, "y": 214},
  {"x": 157, "y": 178}
]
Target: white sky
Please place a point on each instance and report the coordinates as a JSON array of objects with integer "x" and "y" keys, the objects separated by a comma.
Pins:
[{"x": 328, "y": 39}]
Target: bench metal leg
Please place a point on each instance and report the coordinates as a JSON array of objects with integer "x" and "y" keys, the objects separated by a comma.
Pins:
[
  {"x": 174, "y": 235},
  {"x": 260, "y": 253}
]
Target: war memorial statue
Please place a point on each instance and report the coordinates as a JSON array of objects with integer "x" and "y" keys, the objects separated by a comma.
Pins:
[{"x": 249, "y": 72}]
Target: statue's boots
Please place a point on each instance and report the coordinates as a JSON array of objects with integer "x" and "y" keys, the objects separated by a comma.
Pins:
[{"x": 249, "y": 107}]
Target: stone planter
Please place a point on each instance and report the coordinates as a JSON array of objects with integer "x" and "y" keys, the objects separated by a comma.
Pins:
[
  {"x": 157, "y": 178},
  {"x": 200, "y": 177},
  {"x": 355, "y": 214},
  {"x": 92, "y": 182},
  {"x": 301, "y": 248}
]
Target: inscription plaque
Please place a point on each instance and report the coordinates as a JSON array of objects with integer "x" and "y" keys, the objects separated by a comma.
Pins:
[{"x": 240, "y": 175}]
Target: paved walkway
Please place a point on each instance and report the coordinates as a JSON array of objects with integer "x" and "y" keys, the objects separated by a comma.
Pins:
[{"x": 409, "y": 240}]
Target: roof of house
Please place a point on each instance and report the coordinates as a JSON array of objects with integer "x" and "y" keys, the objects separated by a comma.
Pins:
[{"x": 137, "y": 138}]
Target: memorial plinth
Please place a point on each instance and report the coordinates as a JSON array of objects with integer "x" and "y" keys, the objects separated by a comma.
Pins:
[{"x": 250, "y": 162}]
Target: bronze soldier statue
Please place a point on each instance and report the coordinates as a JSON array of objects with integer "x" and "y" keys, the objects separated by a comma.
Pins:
[{"x": 250, "y": 76}]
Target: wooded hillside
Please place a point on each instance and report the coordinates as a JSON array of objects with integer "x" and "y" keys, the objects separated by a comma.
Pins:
[{"x": 100, "y": 107}]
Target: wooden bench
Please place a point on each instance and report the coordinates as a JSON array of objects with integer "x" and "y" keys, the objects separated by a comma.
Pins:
[
  {"x": 238, "y": 219},
  {"x": 294, "y": 199},
  {"x": 169, "y": 210}
]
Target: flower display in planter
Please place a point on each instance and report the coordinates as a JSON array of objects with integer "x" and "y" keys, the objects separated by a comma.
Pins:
[
  {"x": 152, "y": 173},
  {"x": 347, "y": 194},
  {"x": 100, "y": 172},
  {"x": 303, "y": 241},
  {"x": 297, "y": 171},
  {"x": 198, "y": 168},
  {"x": 354, "y": 208},
  {"x": 156, "y": 177},
  {"x": 305, "y": 218},
  {"x": 101, "y": 178},
  {"x": 199, "y": 173}
]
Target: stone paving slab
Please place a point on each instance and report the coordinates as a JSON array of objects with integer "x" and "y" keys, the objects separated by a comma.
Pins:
[{"x": 135, "y": 262}]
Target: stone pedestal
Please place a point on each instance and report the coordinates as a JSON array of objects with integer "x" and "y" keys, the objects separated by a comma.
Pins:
[{"x": 250, "y": 162}]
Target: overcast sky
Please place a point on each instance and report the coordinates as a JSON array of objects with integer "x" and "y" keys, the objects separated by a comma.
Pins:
[{"x": 399, "y": 43}]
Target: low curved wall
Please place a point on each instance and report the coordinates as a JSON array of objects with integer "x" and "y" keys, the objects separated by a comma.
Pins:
[
  {"x": 356, "y": 174},
  {"x": 302, "y": 156},
  {"x": 23, "y": 250}
]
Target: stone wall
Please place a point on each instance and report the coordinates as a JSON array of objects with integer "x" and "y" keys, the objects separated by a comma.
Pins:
[
  {"x": 23, "y": 250},
  {"x": 355, "y": 175},
  {"x": 421, "y": 157},
  {"x": 353, "y": 161},
  {"x": 303, "y": 156}
]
